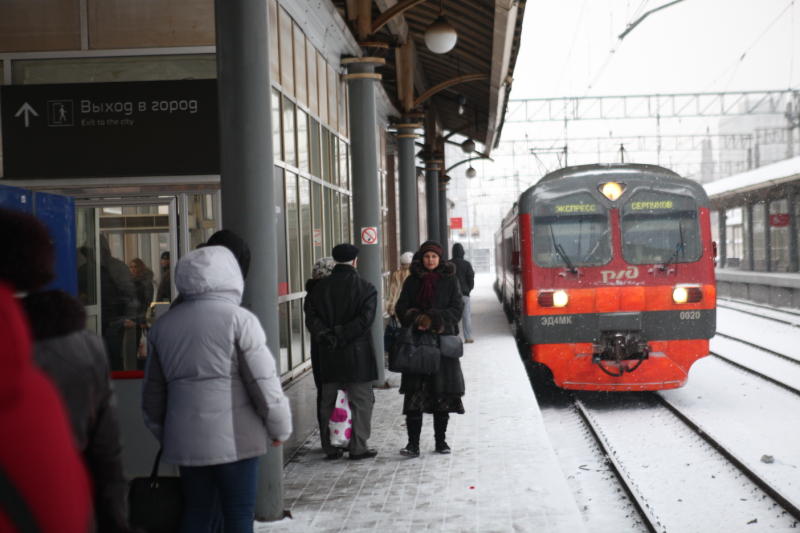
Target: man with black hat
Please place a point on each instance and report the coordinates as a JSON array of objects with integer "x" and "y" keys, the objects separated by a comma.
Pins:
[{"x": 339, "y": 315}]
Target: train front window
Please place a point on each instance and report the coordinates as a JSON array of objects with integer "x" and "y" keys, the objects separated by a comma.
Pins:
[
  {"x": 571, "y": 232},
  {"x": 660, "y": 228}
]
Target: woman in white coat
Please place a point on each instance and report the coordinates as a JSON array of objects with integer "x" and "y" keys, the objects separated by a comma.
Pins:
[{"x": 211, "y": 393}]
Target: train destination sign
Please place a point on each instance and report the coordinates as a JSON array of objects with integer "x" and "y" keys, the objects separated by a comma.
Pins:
[{"x": 110, "y": 129}]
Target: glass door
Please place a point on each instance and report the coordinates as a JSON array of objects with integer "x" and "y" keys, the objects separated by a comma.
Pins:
[{"x": 127, "y": 249}]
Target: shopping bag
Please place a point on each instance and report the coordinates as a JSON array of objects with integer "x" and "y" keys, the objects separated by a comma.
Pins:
[
  {"x": 415, "y": 352},
  {"x": 391, "y": 333},
  {"x": 156, "y": 502},
  {"x": 451, "y": 346},
  {"x": 340, "y": 425}
]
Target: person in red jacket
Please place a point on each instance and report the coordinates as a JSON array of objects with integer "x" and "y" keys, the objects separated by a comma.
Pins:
[{"x": 47, "y": 486}]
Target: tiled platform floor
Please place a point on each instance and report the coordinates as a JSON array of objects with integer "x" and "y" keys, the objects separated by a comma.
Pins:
[{"x": 502, "y": 475}]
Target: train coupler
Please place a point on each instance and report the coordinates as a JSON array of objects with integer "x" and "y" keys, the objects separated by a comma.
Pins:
[{"x": 619, "y": 352}]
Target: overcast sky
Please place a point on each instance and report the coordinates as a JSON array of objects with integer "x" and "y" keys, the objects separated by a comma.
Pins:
[{"x": 692, "y": 46}]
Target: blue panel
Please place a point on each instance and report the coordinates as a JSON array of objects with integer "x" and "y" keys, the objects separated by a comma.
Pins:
[
  {"x": 16, "y": 198},
  {"x": 58, "y": 214}
]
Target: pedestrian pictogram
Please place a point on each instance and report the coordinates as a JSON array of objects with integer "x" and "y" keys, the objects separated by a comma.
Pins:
[
  {"x": 59, "y": 113},
  {"x": 369, "y": 235}
]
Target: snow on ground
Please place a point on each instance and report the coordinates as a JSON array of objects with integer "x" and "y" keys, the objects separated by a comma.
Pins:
[
  {"x": 749, "y": 416},
  {"x": 502, "y": 475}
]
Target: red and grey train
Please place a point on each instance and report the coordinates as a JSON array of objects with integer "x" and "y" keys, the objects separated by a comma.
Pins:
[{"x": 608, "y": 273}]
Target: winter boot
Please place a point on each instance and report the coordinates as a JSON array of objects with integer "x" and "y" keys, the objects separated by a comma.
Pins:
[
  {"x": 440, "y": 429},
  {"x": 414, "y": 427}
]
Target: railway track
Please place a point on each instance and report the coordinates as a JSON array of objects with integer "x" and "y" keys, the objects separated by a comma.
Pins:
[
  {"x": 784, "y": 316},
  {"x": 763, "y": 357},
  {"x": 676, "y": 475}
]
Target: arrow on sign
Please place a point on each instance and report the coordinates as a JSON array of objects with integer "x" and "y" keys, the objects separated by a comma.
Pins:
[{"x": 26, "y": 110}]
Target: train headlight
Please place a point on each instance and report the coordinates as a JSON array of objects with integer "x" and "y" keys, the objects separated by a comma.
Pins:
[
  {"x": 682, "y": 294},
  {"x": 612, "y": 190},
  {"x": 553, "y": 298},
  {"x": 560, "y": 299}
]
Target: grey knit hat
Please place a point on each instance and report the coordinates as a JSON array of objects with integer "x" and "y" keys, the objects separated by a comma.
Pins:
[{"x": 323, "y": 268}]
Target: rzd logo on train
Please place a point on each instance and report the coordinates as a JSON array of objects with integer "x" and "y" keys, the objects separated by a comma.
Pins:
[{"x": 631, "y": 272}]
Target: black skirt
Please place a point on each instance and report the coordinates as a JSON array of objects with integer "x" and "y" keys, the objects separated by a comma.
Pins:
[{"x": 424, "y": 399}]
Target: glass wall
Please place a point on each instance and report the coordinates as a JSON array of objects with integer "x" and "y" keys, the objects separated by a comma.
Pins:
[
  {"x": 779, "y": 235},
  {"x": 312, "y": 170},
  {"x": 734, "y": 238},
  {"x": 759, "y": 237}
]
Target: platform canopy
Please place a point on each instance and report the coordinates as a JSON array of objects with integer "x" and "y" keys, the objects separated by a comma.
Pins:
[{"x": 475, "y": 75}]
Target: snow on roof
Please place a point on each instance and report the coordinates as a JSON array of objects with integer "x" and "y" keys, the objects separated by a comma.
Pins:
[{"x": 758, "y": 178}]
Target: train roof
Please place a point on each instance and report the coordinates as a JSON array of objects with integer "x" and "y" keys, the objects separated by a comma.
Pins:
[
  {"x": 635, "y": 175},
  {"x": 606, "y": 168}
]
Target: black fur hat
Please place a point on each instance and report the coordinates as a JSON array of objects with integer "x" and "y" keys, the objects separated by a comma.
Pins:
[{"x": 27, "y": 259}]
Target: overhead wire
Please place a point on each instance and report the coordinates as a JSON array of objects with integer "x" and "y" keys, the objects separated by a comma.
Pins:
[{"x": 735, "y": 64}]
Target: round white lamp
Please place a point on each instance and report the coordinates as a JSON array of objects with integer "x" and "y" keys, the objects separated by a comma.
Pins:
[
  {"x": 471, "y": 172},
  {"x": 468, "y": 146},
  {"x": 440, "y": 37}
]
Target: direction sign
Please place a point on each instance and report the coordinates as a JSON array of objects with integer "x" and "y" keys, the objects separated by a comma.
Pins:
[
  {"x": 110, "y": 129},
  {"x": 369, "y": 235}
]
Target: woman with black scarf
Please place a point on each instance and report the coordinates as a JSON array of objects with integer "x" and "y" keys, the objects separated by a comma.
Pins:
[{"x": 431, "y": 301}]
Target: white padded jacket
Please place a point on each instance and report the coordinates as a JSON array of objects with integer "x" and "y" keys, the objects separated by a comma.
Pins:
[{"x": 211, "y": 392}]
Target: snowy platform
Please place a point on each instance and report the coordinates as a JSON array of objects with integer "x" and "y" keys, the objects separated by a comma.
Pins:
[{"x": 502, "y": 475}]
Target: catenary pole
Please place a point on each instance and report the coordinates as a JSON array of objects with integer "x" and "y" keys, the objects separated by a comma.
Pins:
[{"x": 248, "y": 201}]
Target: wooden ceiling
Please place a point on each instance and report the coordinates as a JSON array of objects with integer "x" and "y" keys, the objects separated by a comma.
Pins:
[{"x": 482, "y": 48}]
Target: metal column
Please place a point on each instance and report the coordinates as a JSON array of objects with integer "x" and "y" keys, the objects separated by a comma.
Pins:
[
  {"x": 361, "y": 78},
  {"x": 248, "y": 202},
  {"x": 444, "y": 226},
  {"x": 432, "y": 198},
  {"x": 409, "y": 216}
]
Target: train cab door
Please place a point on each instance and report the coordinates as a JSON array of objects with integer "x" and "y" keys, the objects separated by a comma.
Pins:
[
  {"x": 127, "y": 250},
  {"x": 517, "y": 269}
]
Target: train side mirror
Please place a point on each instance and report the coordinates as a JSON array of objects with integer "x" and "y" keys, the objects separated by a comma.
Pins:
[{"x": 714, "y": 251}]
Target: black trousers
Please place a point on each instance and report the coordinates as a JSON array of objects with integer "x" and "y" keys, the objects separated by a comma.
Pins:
[{"x": 414, "y": 426}]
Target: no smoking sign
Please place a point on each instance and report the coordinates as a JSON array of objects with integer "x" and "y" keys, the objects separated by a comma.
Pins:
[{"x": 369, "y": 235}]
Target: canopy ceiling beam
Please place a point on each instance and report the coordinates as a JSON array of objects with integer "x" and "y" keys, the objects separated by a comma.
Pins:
[
  {"x": 447, "y": 84},
  {"x": 392, "y": 12}
]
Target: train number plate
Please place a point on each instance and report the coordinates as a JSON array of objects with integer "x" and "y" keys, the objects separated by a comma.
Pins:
[
  {"x": 690, "y": 315},
  {"x": 562, "y": 320}
]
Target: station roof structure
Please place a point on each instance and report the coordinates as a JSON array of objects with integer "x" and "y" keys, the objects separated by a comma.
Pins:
[
  {"x": 484, "y": 57},
  {"x": 756, "y": 179}
]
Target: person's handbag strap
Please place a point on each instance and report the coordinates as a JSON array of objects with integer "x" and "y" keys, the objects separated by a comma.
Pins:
[
  {"x": 15, "y": 506},
  {"x": 154, "y": 473}
]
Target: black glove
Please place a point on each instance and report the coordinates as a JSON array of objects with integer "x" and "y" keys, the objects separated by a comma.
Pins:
[{"x": 327, "y": 338}]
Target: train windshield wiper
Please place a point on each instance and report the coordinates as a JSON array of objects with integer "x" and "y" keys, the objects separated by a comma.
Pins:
[
  {"x": 680, "y": 246},
  {"x": 560, "y": 250}
]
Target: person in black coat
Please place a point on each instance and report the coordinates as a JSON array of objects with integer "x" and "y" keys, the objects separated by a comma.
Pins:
[
  {"x": 431, "y": 301},
  {"x": 339, "y": 314},
  {"x": 74, "y": 358},
  {"x": 466, "y": 279},
  {"x": 322, "y": 269}
]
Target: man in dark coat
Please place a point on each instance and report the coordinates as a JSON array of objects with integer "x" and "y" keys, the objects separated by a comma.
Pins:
[
  {"x": 339, "y": 315},
  {"x": 466, "y": 279}
]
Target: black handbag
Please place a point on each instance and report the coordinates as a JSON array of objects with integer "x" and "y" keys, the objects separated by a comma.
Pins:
[
  {"x": 391, "y": 333},
  {"x": 156, "y": 502},
  {"x": 415, "y": 352},
  {"x": 451, "y": 346}
]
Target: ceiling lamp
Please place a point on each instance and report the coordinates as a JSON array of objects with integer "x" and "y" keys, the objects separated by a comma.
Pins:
[
  {"x": 468, "y": 146},
  {"x": 462, "y": 101},
  {"x": 440, "y": 37},
  {"x": 471, "y": 172}
]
